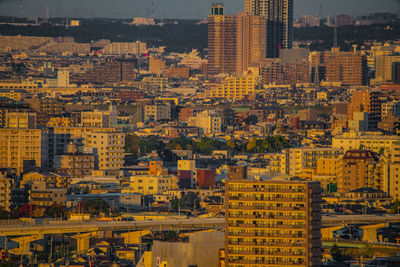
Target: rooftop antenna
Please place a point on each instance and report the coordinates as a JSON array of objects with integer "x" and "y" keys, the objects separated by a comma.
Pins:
[
  {"x": 115, "y": 8},
  {"x": 147, "y": 10},
  {"x": 47, "y": 11},
  {"x": 316, "y": 73},
  {"x": 320, "y": 11},
  {"x": 335, "y": 40},
  {"x": 21, "y": 8},
  {"x": 152, "y": 9}
]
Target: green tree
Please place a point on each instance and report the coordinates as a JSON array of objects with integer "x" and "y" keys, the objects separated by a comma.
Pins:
[
  {"x": 395, "y": 208},
  {"x": 251, "y": 120},
  {"x": 94, "y": 206},
  {"x": 251, "y": 145},
  {"x": 55, "y": 211},
  {"x": 4, "y": 215},
  {"x": 231, "y": 145},
  {"x": 207, "y": 145}
]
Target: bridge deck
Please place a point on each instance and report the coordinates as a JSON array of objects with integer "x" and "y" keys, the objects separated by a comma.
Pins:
[{"x": 58, "y": 227}]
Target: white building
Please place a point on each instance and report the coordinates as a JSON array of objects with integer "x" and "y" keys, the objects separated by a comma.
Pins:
[
  {"x": 122, "y": 48},
  {"x": 63, "y": 78},
  {"x": 143, "y": 21},
  {"x": 209, "y": 121}
]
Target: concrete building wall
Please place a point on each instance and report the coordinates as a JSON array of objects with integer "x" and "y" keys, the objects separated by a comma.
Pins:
[{"x": 201, "y": 251}]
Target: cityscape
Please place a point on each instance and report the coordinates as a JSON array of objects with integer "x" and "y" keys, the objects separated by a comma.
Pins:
[{"x": 154, "y": 135}]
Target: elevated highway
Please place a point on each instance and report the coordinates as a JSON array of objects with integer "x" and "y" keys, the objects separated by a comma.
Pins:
[{"x": 67, "y": 227}]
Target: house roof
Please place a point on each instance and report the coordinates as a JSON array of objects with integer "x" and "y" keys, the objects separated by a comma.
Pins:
[{"x": 369, "y": 190}]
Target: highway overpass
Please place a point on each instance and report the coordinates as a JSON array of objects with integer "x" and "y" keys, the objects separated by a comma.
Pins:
[{"x": 67, "y": 227}]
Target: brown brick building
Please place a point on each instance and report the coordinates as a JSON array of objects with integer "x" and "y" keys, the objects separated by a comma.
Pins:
[
  {"x": 349, "y": 68},
  {"x": 111, "y": 71}
]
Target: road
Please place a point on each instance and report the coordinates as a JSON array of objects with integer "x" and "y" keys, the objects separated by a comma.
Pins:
[{"x": 66, "y": 227}]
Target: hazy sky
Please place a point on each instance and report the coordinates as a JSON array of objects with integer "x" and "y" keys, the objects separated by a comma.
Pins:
[{"x": 181, "y": 8}]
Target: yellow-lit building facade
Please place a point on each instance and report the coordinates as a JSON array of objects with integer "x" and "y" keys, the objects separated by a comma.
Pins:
[
  {"x": 358, "y": 169},
  {"x": 152, "y": 184},
  {"x": 384, "y": 68},
  {"x": 303, "y": 161},
  {"x": 277, "y": 163},
  {"x": 5, "y": 193},
  {"x": 52, "y": 180},
  {"x": 22, "y": 145},
  {"x": 378, "y": 143},
  {"x": 272, "y": 223},
  {"x": 234, "y": 87},
  {"x": 12, "y": 94},
  {"x": 108, "y": 149},
  {"x": 44, "y": 196},
  {"x": 61, "y": 122},
  {"x": 20, "y": 120}
]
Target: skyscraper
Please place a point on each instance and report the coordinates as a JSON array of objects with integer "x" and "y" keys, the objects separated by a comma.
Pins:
[
  {"x": 221, "y": 41},
  {"x": 279, "y": 14},
  {"x": 251, "y": 41},
  {"x": 272, "y": 223}
]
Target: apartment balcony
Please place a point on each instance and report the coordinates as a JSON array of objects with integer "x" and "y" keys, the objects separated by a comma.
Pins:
[
  {"x": 245, "y": 261},
  {"x": 267, "y": 190},
  {"x": 265, "y": 208}
]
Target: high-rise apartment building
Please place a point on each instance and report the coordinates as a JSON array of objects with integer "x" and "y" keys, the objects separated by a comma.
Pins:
[
  {"x": 385, "y": 69},
  {"x": 111, "y": 71},
  {"x": 366, "y": 101},
  {"x": 276, "y": 71},
  {"x": 108, "y": 149},
  {"x": 272, "y": 223},
  {"x": 21, "y": 148},
  {"x": 348, "y": 68},
  {"x": 279, "y": 15},
  {"x": 251, "y": 41},
  {"x": 222, "y": 41},
  {"x": 358, "y": 169}
]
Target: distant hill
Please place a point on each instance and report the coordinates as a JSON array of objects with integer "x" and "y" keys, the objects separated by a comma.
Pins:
[{"x": 184, "y": 35}]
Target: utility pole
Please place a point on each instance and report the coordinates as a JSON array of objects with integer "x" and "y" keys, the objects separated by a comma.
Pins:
[
  {"x": 152, "y": 9},
  {"x": 179, "y": 207},
  {"x": 335, "y": 40},
  {"x": 51, "y": 249}
]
